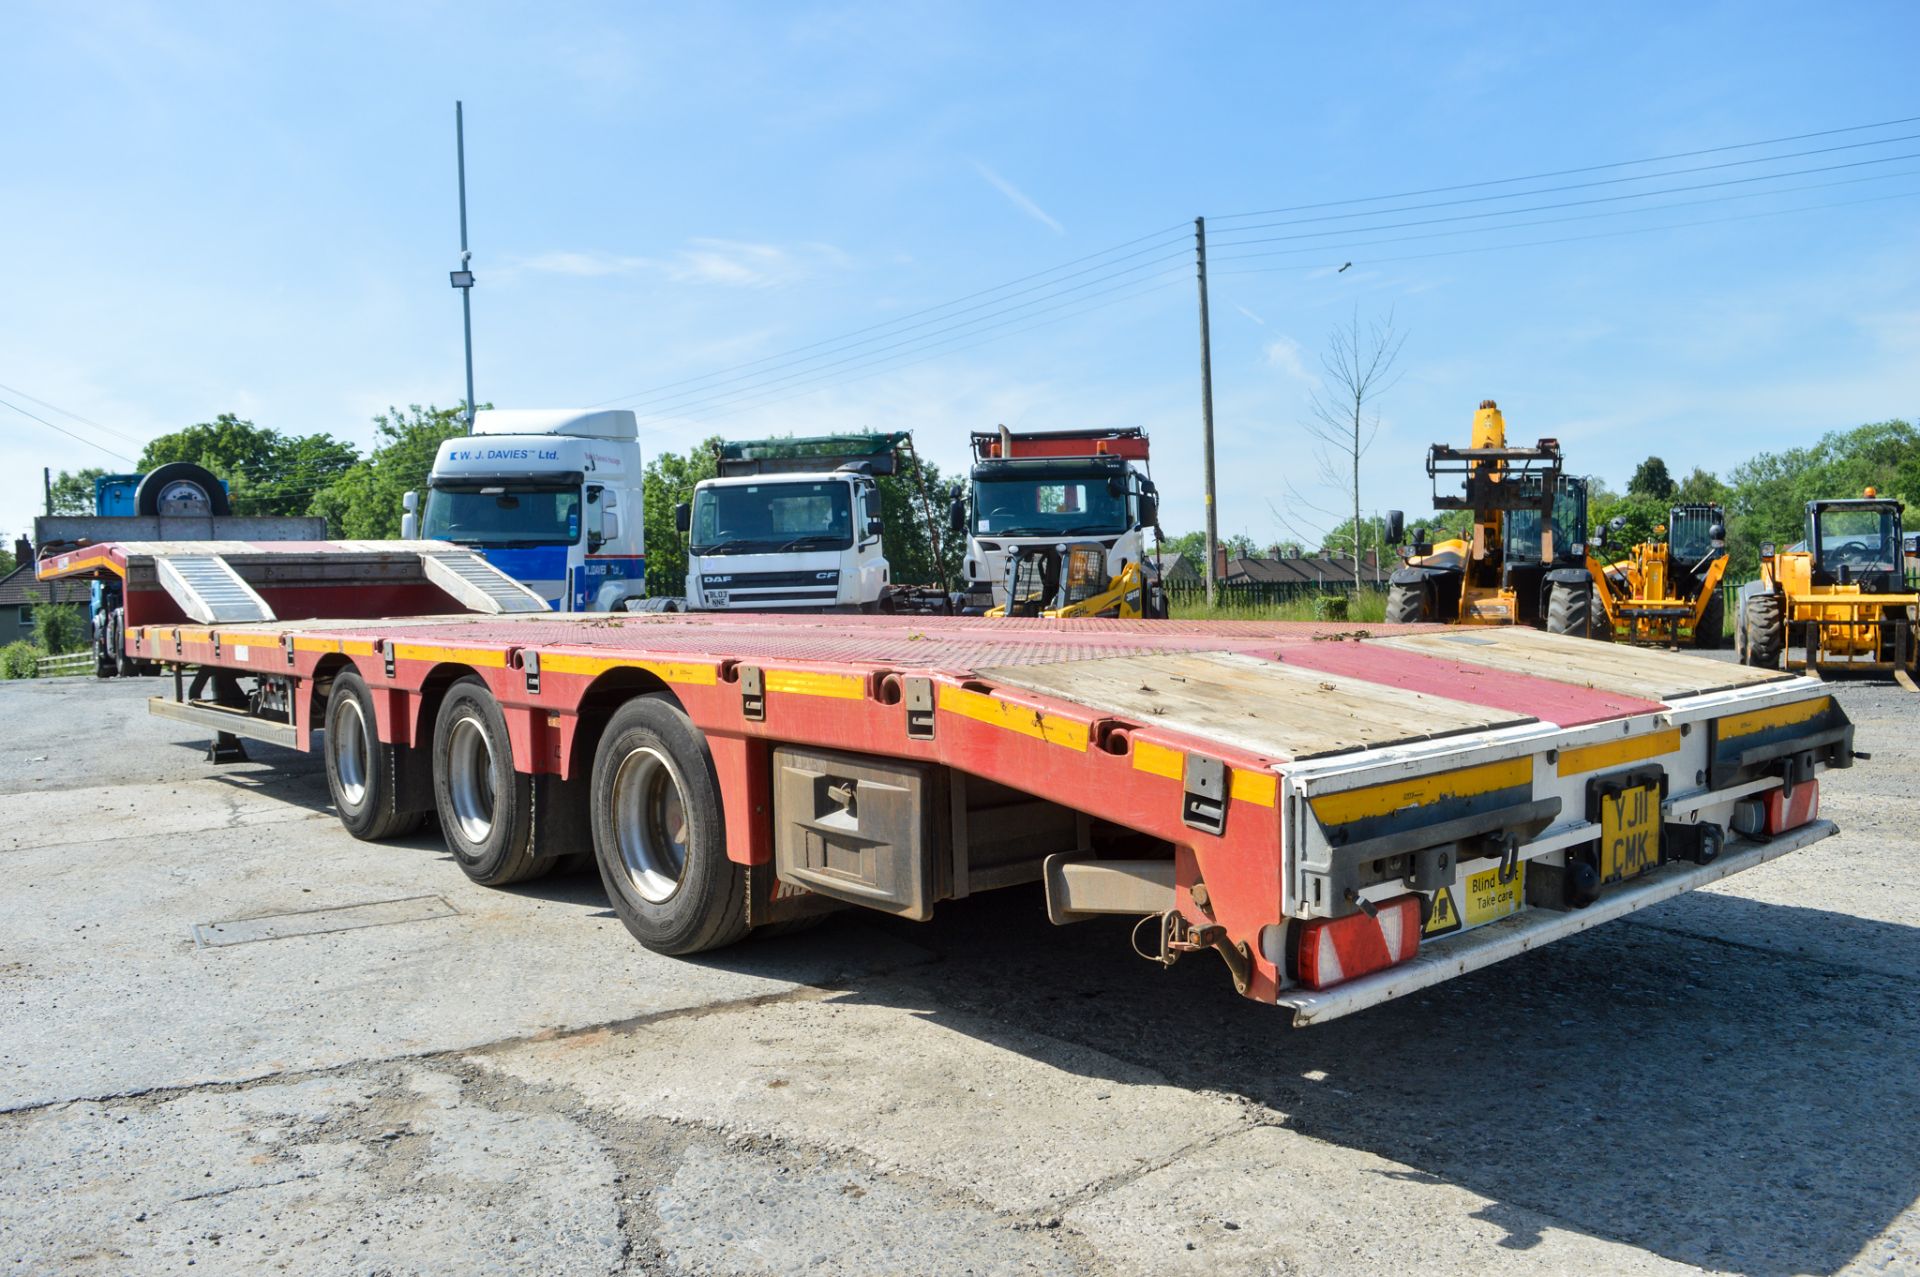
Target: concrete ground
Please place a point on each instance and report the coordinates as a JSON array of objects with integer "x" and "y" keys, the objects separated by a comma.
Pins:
[{"x": 405, "y": 1073}]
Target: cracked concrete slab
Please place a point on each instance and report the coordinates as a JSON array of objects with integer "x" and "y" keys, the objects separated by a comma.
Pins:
[{"x": 952, "y": 1099}]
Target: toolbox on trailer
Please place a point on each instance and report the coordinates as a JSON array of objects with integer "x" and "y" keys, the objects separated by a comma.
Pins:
[{"x": 1341, "y": 814}]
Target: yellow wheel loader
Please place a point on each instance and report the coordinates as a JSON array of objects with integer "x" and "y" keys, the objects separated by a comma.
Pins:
[
  {"x": 1525, "y": 560},
  {"x": 1838, "y": 602},
  {"x": 1666, "y": 592},
  {"x": 1071, "y": 580}
]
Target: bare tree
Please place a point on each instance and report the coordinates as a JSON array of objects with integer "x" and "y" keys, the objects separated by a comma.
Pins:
[{"x": 1358, "y": 368}]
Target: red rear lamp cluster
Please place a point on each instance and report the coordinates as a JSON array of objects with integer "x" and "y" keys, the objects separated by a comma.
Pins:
[{"x": 1334, "y": 950}]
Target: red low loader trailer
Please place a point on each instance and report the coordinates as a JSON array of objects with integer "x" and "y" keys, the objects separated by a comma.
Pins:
[{"x": 1343, "y": 815}]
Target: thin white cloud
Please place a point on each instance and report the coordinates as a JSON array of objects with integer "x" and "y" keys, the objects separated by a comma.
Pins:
[
  {"x": 1018, "y": 198},
  {"x": 1250, "y": 315},
  {"x": 1284, "y": 353},
  {"x": 723, "y": 262}
]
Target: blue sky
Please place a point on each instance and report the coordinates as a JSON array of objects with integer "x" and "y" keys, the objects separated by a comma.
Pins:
[{"x": 250, "y": 208}]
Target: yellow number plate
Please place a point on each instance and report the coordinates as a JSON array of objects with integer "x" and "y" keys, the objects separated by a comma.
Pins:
[{"x": 1629, "y": 833}]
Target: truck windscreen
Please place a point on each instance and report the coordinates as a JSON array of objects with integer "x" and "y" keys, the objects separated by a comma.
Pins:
[
  {"x": 1045, "y": 507},
  {"x": 767, "y": 518},
  {"x": 503, "y": 515}
]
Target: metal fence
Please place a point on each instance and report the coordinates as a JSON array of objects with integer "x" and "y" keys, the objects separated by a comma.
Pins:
[
  {"x": 1256, "y": 594},
  {"x": 63, "y": 666}
]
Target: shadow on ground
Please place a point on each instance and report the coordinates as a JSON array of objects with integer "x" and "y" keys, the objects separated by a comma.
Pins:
[{"x": 1716, "y": 1104}]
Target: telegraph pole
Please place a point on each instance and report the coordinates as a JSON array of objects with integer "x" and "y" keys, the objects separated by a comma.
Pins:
[
  {"x": 1206, "y": 412},
  {"x": 46, "y": 481},
  {"x": 463, "y": 277}
]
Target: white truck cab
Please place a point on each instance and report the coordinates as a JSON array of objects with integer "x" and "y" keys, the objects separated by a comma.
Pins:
[
  {"x": 790, "y": 525},
  {"x": 1040, "y": 491},
  {"x": 551, "y": 497}
]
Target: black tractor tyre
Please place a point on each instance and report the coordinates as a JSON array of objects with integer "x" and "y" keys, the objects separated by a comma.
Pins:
[
  {"x": 659, "y": 832},
  {"x": 123, "y": 665},
  {"x": 1713, "y": 622},
  {"x": 1764, "y": 619},
  {"x": 1570, "y": 610},
  {"x": 377, "y": 789},
  {"x": 485, "y": 806},
  {"x": 146, "y": 498},
  {"x": 1407, "y": 605}
]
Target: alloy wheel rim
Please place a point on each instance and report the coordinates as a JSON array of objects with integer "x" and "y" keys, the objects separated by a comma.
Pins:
[
  {"x": 650, "y": 823},
  {"x": 470, "y": 778}
]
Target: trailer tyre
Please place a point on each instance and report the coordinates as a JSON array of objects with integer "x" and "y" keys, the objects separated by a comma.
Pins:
[
  {"x": 178, "y": 480},
  {"x": 1406, "y": 604},
  {"x": 485, "y": 806},
  {"x": 375, "y": 787},
  {"x": 1764, "y": 628},
  {"x": 659, "y": 834},
  {"x": 1570, "y": 610},
  {"x": 1709, "y": 633}
]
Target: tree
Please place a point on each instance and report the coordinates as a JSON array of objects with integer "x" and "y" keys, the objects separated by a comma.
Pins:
[
  {"x": 7, "y": 562},
  {"x": 667, "y": 482},
  {"x": 1372, "y": 536},
  {"x": 73, "y": 493},
  {"x": 59, "y": 628},
  {"x": 1651, "y": 480},
  {"x": 364, "y": 500},
  {"x": 909, "y": 539},
  {"x": 266, "y": 472},
  {"x": 1701, "y": 488},
  {"x": 1358, "y": 368},
  {"x": 1771, "y": 490}
]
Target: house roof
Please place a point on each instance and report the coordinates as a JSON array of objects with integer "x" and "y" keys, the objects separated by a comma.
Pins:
[
  {"x": 1306, "y": 568},
  {"x": 18, "y": 587}
]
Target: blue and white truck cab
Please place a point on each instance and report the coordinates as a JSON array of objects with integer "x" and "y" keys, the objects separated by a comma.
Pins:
[{"x": 549, "y": 496}]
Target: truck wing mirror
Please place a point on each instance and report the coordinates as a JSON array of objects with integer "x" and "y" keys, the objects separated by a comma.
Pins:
[
  {"x": 409, "y": 526},
  {"x": 1396, "y": 527},
  {"x": 1149, "y": 510},
  {"x": 874, "y": 526},
  {"x": 410, "y": 502},
  {"x": 957, "y": 514},
  {"x": 682, "y": 518},
  {"x": 609, "y": 526}
]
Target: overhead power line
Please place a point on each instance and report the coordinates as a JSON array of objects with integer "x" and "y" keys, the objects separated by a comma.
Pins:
[
  {"x": 925, "y": 342},
  {"x": 1572, "y": 172},
  {"x": 68, "y": 433},
  {"x": 68, "y": 412},
  {"x": 1571, "y": 239},
  {"x": 901, "y": 319},
  {"x": 654, "y": 407},
  {"x": 1596, "y": 199},
  {"x": 1346, "y": 246}
]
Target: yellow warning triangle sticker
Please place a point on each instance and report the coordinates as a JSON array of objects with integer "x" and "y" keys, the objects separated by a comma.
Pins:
[{"x": 1444, "y": 917}]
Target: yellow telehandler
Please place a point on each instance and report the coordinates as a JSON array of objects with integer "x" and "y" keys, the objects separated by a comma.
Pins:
[
  {"x": 1525, "y": 560},
  {"x": 1665, "y": 592},
  {"x": 1838, "y": 602}
]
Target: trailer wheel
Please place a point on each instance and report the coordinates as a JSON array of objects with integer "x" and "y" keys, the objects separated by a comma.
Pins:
[
  {"x": 658, "y": 832},
  {"x": 485, "y": 806},
  {"x": 1570, "y": 610},
  {"x": 1712, "y": 622},
  {"x": 1764, "y": 624},
  {"x": 374, "y": 786},
  {"x": 1406, "y": 604}
]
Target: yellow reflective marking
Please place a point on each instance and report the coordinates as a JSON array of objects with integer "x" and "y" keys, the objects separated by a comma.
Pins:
[
  {"x": 356, "y": 647},
  {"x": 1019, "y": 718},
  {"x": 1159, "y": 760},
  {"x": 1760, "y": 720},
  {"x": 1258, "y": 788},
  {"x": 78, "y": 565},
  {"x": 668, "y": 671},
  {"x": 464, "y": 655},
  {"x": 850, "y": 687},
  {"x": 1245, "y": 786},
  {"x": 1379, "y": 800},
  {"x": 1613, "y": 753}
]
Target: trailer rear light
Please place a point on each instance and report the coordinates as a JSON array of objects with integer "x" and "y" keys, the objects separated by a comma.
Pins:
[
  {"x": 1333, "y": 950},
  {"x": 1775, "y": 811}
]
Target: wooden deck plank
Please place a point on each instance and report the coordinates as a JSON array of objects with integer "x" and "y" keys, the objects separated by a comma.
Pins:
[
  {"x": 1273, "y": 709},
  {"x": 1613, "y": 667}
]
